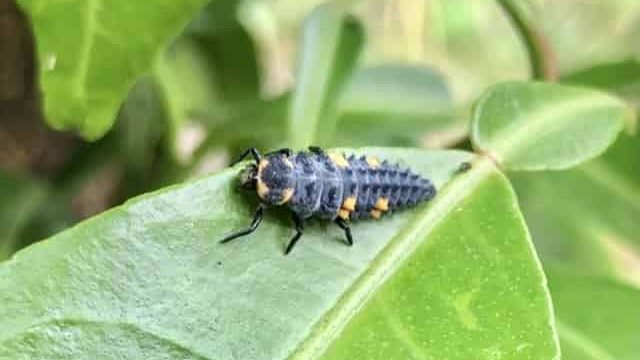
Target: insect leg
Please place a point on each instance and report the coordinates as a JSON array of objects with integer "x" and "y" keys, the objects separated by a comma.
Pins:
[
  {"x": 344, "y": 225},
  {"x": 257, "y": 219},
  {"x": 253, "y": 151},
  {"x": 299, "y": 227}
]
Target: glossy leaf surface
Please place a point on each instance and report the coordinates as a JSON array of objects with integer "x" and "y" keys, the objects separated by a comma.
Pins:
[
  {"x": 537, "y": 126},
  {"x": 466, "y": 291},
  {"x": 149, "y": 278},
  {"x": 91, "y": 52}
]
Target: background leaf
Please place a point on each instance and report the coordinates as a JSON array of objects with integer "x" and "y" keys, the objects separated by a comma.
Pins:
[
  {"x": 331, "y": 42},
  {"x": 524, "y": 126},
  {"x": 584, "y": 223},
  {"x": 149, "y": 276},
  {"x": 622, "y": 78},
  {"x": 20, "y": 200},
  {"x": 597, "y": 318},
  {"x": 395, "y": 105},
  {"x": 141, "y": 133},
  {"x": 228, "y": 49},
  {"x": 211, "y": 70},
  {"x": 91, "y": 53},
  {"x": 565, "y": 211}
]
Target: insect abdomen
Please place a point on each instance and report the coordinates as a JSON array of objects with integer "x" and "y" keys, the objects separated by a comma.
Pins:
[
  {"x": 330, "y": 186},
  {"x": 319, "y": 187},
  {"x": 380, "y": 188}
]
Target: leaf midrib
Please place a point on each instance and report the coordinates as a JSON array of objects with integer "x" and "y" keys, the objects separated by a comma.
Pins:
[{"x": 92, "y": 7}]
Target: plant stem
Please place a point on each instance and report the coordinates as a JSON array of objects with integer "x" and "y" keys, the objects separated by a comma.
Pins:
[{"x": 541, "y": 56}]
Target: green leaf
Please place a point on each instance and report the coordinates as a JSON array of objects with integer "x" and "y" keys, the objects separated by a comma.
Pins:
[
  {"x": 91, "y": 53},
  {"x": 331, "y": 43},
  {"x": 148, "y": 278},
  {"x": 597, "y": 318},
  {"x": 142, "y": 122},
  {"x": 228, "y": 49},
  {"x": 20, "y": 199},
  {"x": 261, "y": 124},
  {"x": 469, "y": 290},
  {"x": 564, "y": 210},
  {"x": 622, "y": 78},
  {"x": 584, "y": 223},
  {"x": 212, "y": 64},
  {"x": 537, "y": 126},
  {"x": 210, "y": 74},
  {"x": 395, "y": 105},
  {"x": 395, "y": 91}
]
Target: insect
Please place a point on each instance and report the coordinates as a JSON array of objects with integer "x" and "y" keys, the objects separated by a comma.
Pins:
[{"x": 328, "y": 186}]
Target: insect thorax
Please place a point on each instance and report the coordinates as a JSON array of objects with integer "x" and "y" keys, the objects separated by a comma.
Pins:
[{"x": 275, "y": 179}]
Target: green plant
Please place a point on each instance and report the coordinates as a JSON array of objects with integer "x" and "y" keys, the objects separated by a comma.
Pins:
[{"x": 458, "y": 278}]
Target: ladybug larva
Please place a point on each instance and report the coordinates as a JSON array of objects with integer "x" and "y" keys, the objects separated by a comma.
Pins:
[{"x": 329, "y": 186}]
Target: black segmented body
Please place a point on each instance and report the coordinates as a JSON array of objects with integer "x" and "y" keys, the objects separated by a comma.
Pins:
[
  {"x": 328, "y": 186},
  {"x": 323, "y": 183}
]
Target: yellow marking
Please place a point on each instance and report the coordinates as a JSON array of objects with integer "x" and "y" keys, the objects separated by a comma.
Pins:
[
  {"x": 344, "y": 214},
  {"x": 375, "y": 214},
  {"x": 286, "y": 195},
  {"x": 338, "y": 160},
  {"x": 373, "y": 161},
  {"x": 382, "y": 204},
  {"x": 262, "y": 164},
  {"x": 349, "y": 203},
  {"x": 262, "y": 188}
]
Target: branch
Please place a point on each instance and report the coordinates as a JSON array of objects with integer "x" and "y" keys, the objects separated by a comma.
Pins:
[{"x": 541, "y": 56}]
